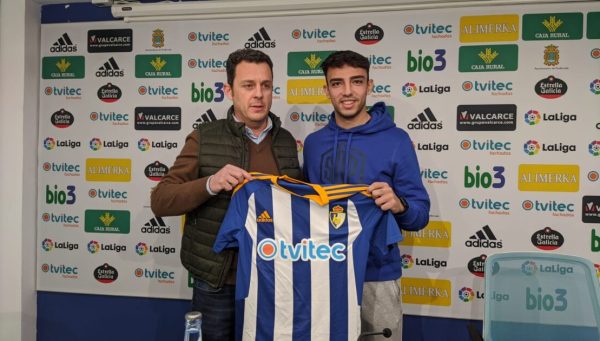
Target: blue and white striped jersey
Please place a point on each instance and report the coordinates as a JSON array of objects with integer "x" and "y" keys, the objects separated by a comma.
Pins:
[{"x": 302, "y": 257}]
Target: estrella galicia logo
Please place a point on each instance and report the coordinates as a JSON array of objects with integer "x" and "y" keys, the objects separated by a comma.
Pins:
[
  {"x": 590, "y": 209},
  {"x": 551, "y": 87},
  {"x": 369, "y": 34},
  {"x": 156, "y": 170},
  {"x": 157, "y": 118},
  {"x": 119, "y": 40},
  {"x": 547, "y": 239},
  {"x": 106, "y": 274},
  {"x": 486, "y": 117},
  {"x": 109, "y": 93},
  {"x": 476, "y": 265},
  {"x": 62, "y": 119}
]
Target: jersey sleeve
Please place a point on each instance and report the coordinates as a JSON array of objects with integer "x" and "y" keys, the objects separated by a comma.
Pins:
[
  {"x": 387, "y": 233},
  {"x": 233, "y": 223}
]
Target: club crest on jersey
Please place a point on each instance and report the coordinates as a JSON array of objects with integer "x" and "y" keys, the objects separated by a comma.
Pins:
[
  {"x": 337, "y": 216},
  {"x": 264, "y": 217}
]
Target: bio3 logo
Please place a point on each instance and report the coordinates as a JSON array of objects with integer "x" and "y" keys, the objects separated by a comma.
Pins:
[
  {"x": 307, "y": 249},
  {"x": 58, "y": 196},
  {"x": 420, "y": 62},
  {"x": 537, "y": 300},
  {"x": 208, "y": 94},
  {"x": 480, "y": 179}
]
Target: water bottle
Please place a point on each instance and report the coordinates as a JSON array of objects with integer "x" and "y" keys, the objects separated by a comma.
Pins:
[{"x": 193, "y": 326}]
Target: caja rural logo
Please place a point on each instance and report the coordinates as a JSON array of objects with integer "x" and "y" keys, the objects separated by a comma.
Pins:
[{"x": 307, "y": 250}]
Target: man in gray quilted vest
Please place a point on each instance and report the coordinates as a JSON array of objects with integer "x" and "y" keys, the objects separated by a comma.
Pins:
[{"x": 216, "y": 157}]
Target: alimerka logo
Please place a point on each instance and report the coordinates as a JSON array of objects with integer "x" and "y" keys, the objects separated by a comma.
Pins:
[
  {"x": 548, "y": 178},
  {"x": 426, "y": 291},
  {"x": 489, "y": 28}
]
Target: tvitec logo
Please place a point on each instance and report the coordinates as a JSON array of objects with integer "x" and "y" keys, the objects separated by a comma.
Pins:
[
  {"x": 493, "y": 207},
  {"x": 65, "y": 271},
  {"x": 117, "y": 119},
  {"x": 67, "y": 169},
  {"x": 164, "y": 92},
  {"x": 492, "y": 87},
  {"x": 65, "y": 91},
  {"x": 482, "y": 179},
  {"x": 307, "y": 250},
  {"x": 165, "y": 277},
  {"x": 556, "y": 208},
  {"x": 435, "y": 176},
  {"x": 318, "y": 34},
  {"x": 214, "y": 38},
  {"x": 436, "y": 31},
  {"x": 419, "y": 62},
  {"x": 494, "y": 147},
  {"x": 116, "y": 197}
]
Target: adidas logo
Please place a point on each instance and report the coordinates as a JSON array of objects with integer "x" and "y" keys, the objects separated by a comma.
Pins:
[
  {"x": 156, "y": 225},
  {"x": 208, "y": 116},
  {"x": 425, "y": 120},
  {"x": 63, "y": 44},
  {"x": 264, "y": 218},
  {"x": 484, "y": 238},
  {"x": 260, "y": 40},
  {"x": 110, "y": 69}
]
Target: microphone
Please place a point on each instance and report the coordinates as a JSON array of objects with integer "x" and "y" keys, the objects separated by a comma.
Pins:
[{"x": 386, "y": 332}]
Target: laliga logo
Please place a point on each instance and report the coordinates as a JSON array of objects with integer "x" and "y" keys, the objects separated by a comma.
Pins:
[
  {"x": 594, "y": 148},
  {"x": 531, "y": 147},
  {"x": 532, "y": 117},
  {"x": 529, "y": 268},
  {"x": 141, "y": 249},
  {"x": 407, "y": 261},
  {"x": 409, "y": 89},
  {"x": 269, "y": 249},
  {"x": 466, "y": 294},
  {"x": 47, "y": 244}
]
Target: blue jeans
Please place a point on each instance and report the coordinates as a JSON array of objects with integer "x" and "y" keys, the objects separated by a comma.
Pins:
[{"x": 217, "y": 308}]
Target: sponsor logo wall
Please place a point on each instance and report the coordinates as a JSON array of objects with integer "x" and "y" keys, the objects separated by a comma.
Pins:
[{"x": 502, "y": 111}]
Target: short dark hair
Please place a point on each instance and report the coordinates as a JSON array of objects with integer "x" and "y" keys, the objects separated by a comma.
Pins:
[
  {"x": 245, "y": 55},
  {"x": 340, "y": 58}
]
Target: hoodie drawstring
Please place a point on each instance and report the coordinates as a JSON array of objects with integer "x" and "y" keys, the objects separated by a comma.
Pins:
[
  {"x": 335, "y": 142},
  {"x": 347, "y": 163}
]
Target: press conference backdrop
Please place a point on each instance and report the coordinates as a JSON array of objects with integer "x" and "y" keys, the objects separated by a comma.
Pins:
[{"x": 502, "y": 104}]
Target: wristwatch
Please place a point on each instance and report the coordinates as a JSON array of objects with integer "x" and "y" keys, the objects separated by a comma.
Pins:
[{"x": 404, "y": 203}]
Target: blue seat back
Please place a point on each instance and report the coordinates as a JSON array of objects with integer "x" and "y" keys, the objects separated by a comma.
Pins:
[{"x": 539, "y": 296}]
